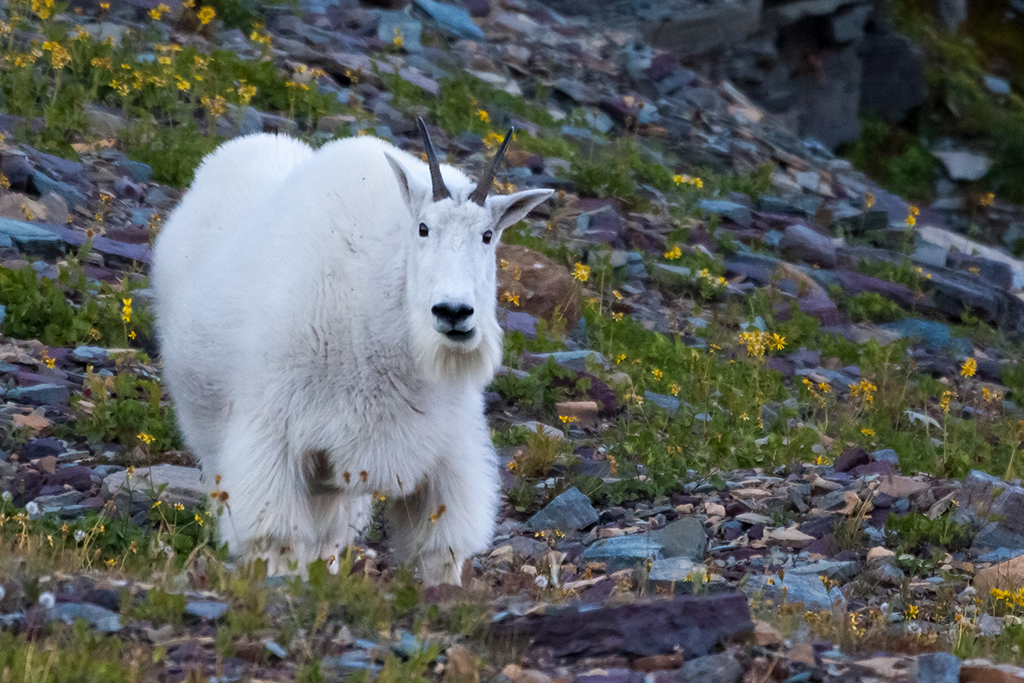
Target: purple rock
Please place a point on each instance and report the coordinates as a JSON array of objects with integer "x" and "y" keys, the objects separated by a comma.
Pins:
[
  {"x": 818, "y": 305},
  {"x": 77, "y": 477},
  {"x": 40, "y": 448},
  {"x": 851, "y": 457}
]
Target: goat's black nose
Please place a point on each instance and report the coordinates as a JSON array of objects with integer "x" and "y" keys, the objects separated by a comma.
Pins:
[{"x": 453, "y": 315}]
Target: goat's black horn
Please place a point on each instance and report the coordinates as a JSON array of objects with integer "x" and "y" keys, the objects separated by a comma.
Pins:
[
  {"x": 479, "y": 195},
  {"x": 440, "y": 191}
]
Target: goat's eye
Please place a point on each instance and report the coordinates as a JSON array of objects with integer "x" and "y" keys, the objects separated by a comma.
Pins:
[
  {"x": 487, "y": 237},
  {"x": 424, "y": 230}
]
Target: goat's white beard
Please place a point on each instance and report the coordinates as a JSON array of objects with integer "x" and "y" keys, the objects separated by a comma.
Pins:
[{"x": 450, "y": 364}]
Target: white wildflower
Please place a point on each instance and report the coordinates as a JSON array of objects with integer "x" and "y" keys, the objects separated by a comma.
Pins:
[
  {"x": 48, "y": 600},
  {"x": 6, "y": 497},
  {"x": 79, "y": 536},
  {"x": 541, "y": 581},
  {"x": 33, "y": 510},
  {"x": 3, "y": 593}
]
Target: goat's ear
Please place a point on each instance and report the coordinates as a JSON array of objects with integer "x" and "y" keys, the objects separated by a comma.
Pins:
[
  {"x": 414, "y": 193},
  {"x": 509, "y": 209}
]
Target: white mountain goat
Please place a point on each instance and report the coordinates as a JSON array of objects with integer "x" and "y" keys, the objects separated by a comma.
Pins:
[{"x": 327, "y": 324}]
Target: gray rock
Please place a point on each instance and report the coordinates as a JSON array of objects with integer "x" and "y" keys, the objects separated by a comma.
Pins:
[
  {"x": 623, "y": 552},
  {"x": 569, "y": 511},
  {"x": 41, "y": 394},
  {"x": 137, "y": 171},
  {"x": 826, "y": 568},
  {"x": 206, "y": 610},
  {"x": 809, "y": 245},
  {"x": 58, "y": 502},
  {"x": 90, "y": 354},
  {"x": 988, "y": 625},
  {"x": 249, "y": 121},
  {"x": 886, "y": 455},
  {"x": 737, "y": 213},
  {"x": 682, "y": 538},
  {"x": 574, "y": 360},
  {"x": 933, "y": 334},
  {"x": 847, "y": 25},
  {"x": 930, "y": 254},
  {"x": 670, "y": 404},
  {"x": 29, "y": 238},
  {"x": 805, "y": 588},
  {"x": 99, "y": 618},
  {"x": 44, "y": 183},
  {"x": 396, "y": 23},
  {"x": 1000, "y": 555},
  {"x": 720, "y": 668},
  {"x": 952, "y": 13},
  {"x": 675, "y": 570},
  {"x": 963, "y": 165},
  {"x": 997, "y": 86},
  {"x": 893, "y": 81},
  {"x": 938, "y": 667},
  {"x": 701, "y": 28},
  {"x": 450, "y": 18},
  {"x": 183, "y": 483}
]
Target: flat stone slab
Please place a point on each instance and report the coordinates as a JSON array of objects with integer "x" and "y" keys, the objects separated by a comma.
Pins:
[
  {"x": 692, "y": 625},
  {"x": 184, "y": 484},
  {"x": 570, "y": 511}
]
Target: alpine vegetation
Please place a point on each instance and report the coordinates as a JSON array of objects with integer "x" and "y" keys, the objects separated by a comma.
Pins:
[{"x": 328, "y": 324}]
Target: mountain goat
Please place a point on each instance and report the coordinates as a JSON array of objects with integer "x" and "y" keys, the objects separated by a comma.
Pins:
[{"x": 327, "y": 321}]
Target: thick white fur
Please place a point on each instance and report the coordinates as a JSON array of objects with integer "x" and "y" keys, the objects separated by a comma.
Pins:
[{"x": 293, "y": 301}]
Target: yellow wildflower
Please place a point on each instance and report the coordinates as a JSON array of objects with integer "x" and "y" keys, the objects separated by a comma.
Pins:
[
  {"x": 157, "y": 504},
  {"x": 246, "y": 92},
  {"x": 183, "y": 84},
  {"x": 869, "y": 199},
  {"x": 568, "y": 419},
  {"x": 674, "y": 389},
  {"x": 126, "y": 310},
  {"x": 50, "y": 362},
  {"x": 619, "y": 358},
  {"x": 969, "y": 368},
  {"x": 867, "y": 431},
  {"x": 616, "y": 294},
  {"x": 483, "y": 116},
  {"x": 581, "y": 272},
  {"x": 59, "y": 57},
  {"x": 674, "y": 253},
  {"x": 657, "y": 374},
  {"x": 145, "y": 438},
  {"x": 157, "y": 12},
  {"x": 199, "y": 519},
  {"x": 206, "y": 15}
]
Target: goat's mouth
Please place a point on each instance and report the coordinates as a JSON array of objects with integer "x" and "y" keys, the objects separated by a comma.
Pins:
[{"x": 460, "y": 336}]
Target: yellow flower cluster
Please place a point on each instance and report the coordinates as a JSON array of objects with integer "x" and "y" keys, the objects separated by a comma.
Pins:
[
  {"x": 581, "y": 272},
  {"x": 42, "y": 8},
  {"x": 145, "y": 438},
  {"x": 59, "y": 57},
  {"x": 944, "y": 400},
  {"x": 687, "y": 180},
  {"x": 246, "y": 92},
  {"x": 674, "y": 253},
  {"x": 705, "y": 274},
  {"x": 260, "y": 36},
  {"x": 969, "y": 368},
  {"x": 206, "y": 15},
  {"x": 510, "y": 298},
  {"x": 986, "y": 199},
  {"x": 865, "y": 389},
  {"x": 216, "y": 106},
  {"x": 159, "y": 11},
  {"x": 757, "y": 342},
  {"x": 126, "y": 310},
  {"x": 912, "y": 215}
]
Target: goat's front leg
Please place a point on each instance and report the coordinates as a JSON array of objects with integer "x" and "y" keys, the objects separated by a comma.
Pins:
[{"x": 451, "y": 513}]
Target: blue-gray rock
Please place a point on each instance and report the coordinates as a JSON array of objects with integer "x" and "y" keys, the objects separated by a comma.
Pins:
[
  {"x": 667, "y": 403},
  {"x": 137, "y": 171},
  {"x": 90, "y": 354},
  {"x": 886, "y": 455},
  {"x": 275, "y": 649},
  {"x": 675, "y": 272},
  {"x": 938, "y": 667},
  {"x": 682, "y": 538},
  {"x": 58, "y": 502},
  {"x": 450, "y": 18},
  {"x": 40, "y": 394},
  {"x": 394, "y": 24},
  {"x": 675, "y": 569},
  {"x": 930, "y": 254},
  {"x": 206, "y": 610},
  {"x": 570, "y": 511},
  {"x": 831, "y": 569},
  {"x": 997, "y": 86},
  {"x": 44, "y": 183},
  {"x": 3, "y": 316},
  {"x": 1000, "y": 555},
  {"x": 809, "y": 245},
  {"x": 250, "y": 122},
  {"x": 358, "y": 660},
  {"x": 935, "y": 335},
  {"x": 805, "y": 588},
  {"x": 720, "y": 668},
  {"x": 737, "y": 213},
  {"x": 29, "y": 238},
  {"x": 100, "y": 618},
  {"x": 624, "y": 552},
  {"x": 519, "y": 321}
]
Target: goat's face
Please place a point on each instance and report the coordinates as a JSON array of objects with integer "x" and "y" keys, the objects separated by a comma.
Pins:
[{"x": 451, "y": 266}]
